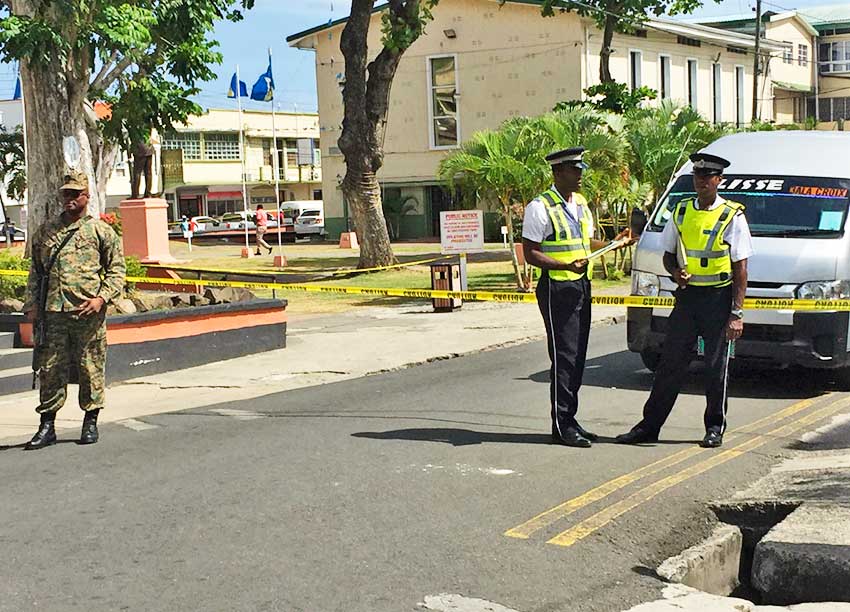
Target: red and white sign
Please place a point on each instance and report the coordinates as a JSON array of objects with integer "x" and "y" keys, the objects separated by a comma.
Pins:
[{"x": 461, "y": 231}]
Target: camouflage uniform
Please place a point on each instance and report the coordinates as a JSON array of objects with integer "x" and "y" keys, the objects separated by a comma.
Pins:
[{"x": 90, "y": 265}]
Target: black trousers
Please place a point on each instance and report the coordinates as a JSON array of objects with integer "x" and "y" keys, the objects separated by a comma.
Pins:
[
  {"x": 699, "y": 311},
  {"x": 565, "y": 306}
]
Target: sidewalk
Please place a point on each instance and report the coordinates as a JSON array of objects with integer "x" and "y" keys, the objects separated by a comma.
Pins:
[{"x": 321, "y": 349}]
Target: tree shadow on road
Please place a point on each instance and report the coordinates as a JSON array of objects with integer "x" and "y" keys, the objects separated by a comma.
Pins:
[
  {"x": 467, "y": 437},
  {"x": 624, "y": 370},
  {"x": 454, "y": 436}
]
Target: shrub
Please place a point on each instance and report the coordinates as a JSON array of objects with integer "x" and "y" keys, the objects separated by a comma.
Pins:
[
  {"x": 113, "y": 220},
  {"x": 13, "y": 286},
  {"x": 134, "y": 268}
]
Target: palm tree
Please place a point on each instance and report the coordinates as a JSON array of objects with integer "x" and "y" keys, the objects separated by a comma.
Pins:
[
  {"x": 508, "y": 166},
  {"x": 661, "y": 138}
]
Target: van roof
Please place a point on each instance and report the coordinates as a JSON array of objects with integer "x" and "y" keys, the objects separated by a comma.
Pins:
[{"x": 790, "y": 153}]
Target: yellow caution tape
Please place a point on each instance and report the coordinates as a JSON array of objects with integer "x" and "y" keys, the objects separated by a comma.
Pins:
[
  {"x": 337, "y": 272},
  {"x": 631, "y": 301}
]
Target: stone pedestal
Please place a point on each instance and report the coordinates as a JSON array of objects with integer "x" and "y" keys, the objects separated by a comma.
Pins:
[
  {"x": 348, "y": 240},
  {"x": 145, "y": 230}
]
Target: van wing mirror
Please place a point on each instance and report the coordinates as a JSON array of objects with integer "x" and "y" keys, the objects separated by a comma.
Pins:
[{"x": 637, "y": 222}]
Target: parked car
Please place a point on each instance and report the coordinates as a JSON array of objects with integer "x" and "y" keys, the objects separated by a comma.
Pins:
[
  {"x": 237, "y": 220},
  {"x": 796, "y": 189},
  {"x": 207, "y": 224},
  {"x": 310, "y": 222},
  {"x": 20, "y": 235}
]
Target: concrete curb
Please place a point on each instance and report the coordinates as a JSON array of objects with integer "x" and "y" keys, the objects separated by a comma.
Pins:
[{"x": 711, "y": 566}]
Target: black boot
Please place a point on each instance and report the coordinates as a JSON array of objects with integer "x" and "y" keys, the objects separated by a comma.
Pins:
[
  {"x": 270, "y": 250},
  {"x": 88, "y": 435},
  {"x": 46, "y": 434}
]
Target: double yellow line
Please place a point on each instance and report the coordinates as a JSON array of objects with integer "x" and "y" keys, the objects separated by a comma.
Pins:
[{"x": 617, "y": 509}]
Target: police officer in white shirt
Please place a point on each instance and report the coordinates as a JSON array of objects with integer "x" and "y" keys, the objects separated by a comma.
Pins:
[
  {"x": 557, "y": 237},
  {"x": 707, "y": 243}
]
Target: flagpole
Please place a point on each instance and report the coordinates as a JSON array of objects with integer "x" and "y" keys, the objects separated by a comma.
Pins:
[
  {"x": 276, "y": 167},
  {"x": 242, "y": 156}
]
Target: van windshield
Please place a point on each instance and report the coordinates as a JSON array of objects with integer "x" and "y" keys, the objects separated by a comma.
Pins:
[{"x": 775, "y": 206}]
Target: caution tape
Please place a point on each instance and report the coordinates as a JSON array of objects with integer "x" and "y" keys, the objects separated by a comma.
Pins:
[
  {"x": 337, "y": 272},
  {"x": 631, "y": 301}
]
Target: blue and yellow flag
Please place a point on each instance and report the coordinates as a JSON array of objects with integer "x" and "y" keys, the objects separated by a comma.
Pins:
[
  {"x": 263, "y": 89},
  {"x": 243, "y": 88}
]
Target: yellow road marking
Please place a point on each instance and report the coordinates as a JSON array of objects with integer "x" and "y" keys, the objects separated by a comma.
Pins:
[
  {"x": 560, "y": 511},
  {"x": 602, "y": 518}
]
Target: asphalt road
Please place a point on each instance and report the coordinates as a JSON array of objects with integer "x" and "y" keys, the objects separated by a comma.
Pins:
[{"x": 371, "y": 495}]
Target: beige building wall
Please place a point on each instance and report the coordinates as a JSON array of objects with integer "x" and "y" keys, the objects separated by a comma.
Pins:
[
  {"x": 656, "y": 45},
  {"x": 510, "y": 61}
]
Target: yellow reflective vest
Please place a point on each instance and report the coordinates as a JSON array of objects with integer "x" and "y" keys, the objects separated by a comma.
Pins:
[
  {"x": 566, "y": 244},
  {"x": 707, "y": 257}
]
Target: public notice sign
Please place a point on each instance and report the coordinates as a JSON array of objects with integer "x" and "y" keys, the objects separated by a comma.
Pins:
[{"x": 461, "y": 231}]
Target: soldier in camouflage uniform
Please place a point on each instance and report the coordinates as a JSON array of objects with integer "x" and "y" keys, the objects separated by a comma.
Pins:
[{"x": 86, "y": 275}]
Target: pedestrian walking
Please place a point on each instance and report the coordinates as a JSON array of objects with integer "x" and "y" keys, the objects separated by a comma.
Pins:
[
  {"x": 262, "y": 228},
  {"x": 557, "y": 237},
  {"x": 77, "y": 269},
  {"x": 707, "y": 243}
]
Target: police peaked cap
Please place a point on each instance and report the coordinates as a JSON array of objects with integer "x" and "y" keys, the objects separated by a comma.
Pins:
[
  {"x": 572, "y": 157},
  {"x": 709, "y": 164}
]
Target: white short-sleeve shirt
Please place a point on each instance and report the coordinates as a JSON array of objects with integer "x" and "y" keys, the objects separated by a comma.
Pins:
[
  {"x": 536, "y": 224},
  {"x": 737, "y": 235}
]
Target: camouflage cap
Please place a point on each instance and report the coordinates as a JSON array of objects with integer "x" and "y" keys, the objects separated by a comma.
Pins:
[{"x": 76, "y": 180}]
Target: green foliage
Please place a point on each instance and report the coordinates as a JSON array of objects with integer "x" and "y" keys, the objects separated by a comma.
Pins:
[
  {"x": 151, "y": 54},
  {"x": 13, "y": 171},
  {"x": 13, "y": 286},
  {"x": 661, "y": 138},
  {"x": 629, "y": 14},
  {"x": 134, "y": 269},
  {"x": 401, "y": 29},
  {"x": 612, "y": 97}
]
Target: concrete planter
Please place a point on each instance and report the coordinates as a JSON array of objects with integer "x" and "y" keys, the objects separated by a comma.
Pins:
[{"x": 161, "y": 341}]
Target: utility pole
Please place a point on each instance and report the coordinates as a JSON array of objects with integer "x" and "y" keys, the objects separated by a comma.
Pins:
[{"x": 757, "y": 63}]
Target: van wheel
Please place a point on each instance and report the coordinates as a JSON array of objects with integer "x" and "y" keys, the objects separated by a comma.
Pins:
[{"x": 650, "y": 359}]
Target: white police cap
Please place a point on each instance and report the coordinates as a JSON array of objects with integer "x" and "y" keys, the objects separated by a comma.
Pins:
[
  {"x": 572, "y": 157},
  {"x": 709, "y": 164}
]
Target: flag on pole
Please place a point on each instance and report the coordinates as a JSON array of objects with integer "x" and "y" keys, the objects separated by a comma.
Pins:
[
  {"x": 243, "y": 88},
  {"x": 17, "y": 94},
  {"x": 263, "y": 89}
]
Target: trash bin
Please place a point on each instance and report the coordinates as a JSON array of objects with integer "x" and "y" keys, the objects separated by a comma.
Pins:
[{"x": 445, "y": 276}]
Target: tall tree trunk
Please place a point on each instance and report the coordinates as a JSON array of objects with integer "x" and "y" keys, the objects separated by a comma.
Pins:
[
  {"x": 55, "y": 110},
  {"x": 506, "y": 208},
  {"x": 363, "y": 194},
  {"x": 366, "y": 97},
  {"x": 607, "y": 39}
]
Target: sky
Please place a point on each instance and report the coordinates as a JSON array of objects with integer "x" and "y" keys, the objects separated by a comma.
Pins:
[{"x": 246, "y": 43}]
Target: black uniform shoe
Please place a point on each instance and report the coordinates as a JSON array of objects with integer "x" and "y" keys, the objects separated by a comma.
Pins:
[
  {"x": 571, "y": 437},
  {"x": 270, "y": 250},
  {"x": 712, "y": 439},
  {"x": 89, "y": 434},
  {"x": 46, "y": 434},
  {"x": 257, "y": 252},
  {"x": 587, "y": 434},
  {"x": 637, "y": 435}
]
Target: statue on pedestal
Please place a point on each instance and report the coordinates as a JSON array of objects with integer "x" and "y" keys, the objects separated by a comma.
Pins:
[{"x": 143, "y": 152}]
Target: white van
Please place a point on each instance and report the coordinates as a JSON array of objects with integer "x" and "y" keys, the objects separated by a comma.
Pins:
[
  {"x": 795, "y": 187},
  {"x": 308, "y": 216}
]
